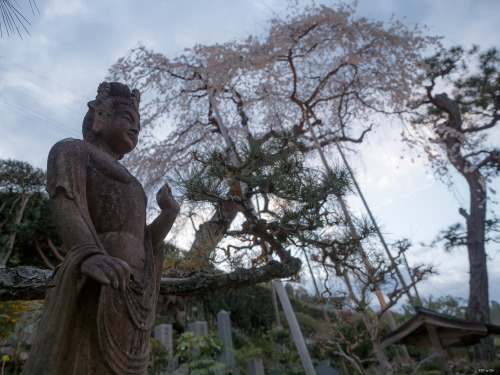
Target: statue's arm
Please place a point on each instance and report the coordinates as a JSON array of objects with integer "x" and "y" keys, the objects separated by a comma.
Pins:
[
  {"x": 69, "y": 221},
  {"x": 74, "y": 232},
  {"x": 160, "y": 227},
  {"x": 66, "y": 184}
]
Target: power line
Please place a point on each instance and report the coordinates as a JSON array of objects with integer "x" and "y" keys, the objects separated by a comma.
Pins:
[
  {"x": 43, "y": 89},
  {"x": 41, "y": 76},
  {"x": 34, "y": 115},
  {"x": 48, "y": 125}
]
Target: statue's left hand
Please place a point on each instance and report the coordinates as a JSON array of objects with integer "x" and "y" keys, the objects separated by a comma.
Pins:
[{"x": 166, "y": 200}]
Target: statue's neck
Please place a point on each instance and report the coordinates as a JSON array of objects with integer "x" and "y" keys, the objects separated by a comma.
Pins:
[{"x": 103, "y": 146}]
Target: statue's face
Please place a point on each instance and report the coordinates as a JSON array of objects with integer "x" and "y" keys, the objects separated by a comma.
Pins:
[{"x": 120, "y": 132}]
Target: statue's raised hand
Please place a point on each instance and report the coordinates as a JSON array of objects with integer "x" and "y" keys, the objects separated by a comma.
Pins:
[
  {"x": 166, "y": 200},
  {"x": 107, "y": 270}
]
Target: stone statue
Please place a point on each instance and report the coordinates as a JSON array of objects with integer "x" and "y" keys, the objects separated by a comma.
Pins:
[{"x": 98, "y": 317}]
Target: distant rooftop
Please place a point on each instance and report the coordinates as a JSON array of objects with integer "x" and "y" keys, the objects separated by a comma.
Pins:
[{"x": 450, "y": 330}]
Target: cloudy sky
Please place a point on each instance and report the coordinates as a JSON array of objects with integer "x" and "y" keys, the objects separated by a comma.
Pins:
[{"x": 47, "y": 78}]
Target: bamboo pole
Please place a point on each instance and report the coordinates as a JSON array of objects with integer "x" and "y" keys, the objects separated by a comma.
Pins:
[
  {"x": 275, "y": 303},
  {"x": 377, "y": 229}
]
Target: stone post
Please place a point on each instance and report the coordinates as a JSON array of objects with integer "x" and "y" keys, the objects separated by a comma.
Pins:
[
  {"x": 198, "y": 328},
  {"x": 224, "y": 332},
  {"x": 163, "y": 332},
  {"x": 256, "y": 366}
]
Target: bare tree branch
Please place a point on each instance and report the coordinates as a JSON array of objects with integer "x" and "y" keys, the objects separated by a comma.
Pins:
[{"x": 30, "y": 283}]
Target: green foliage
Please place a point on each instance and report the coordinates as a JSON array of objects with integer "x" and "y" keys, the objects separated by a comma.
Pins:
[
  {"x": 248, "y": 346},
  {"x": 309, "y": 325},
  {"x": 495, "y": 366},
  {"x": 18, "y": 313},
  {"x": 251, "y": 308},
  {"x": 252, "y": 319},
  {"x": 14, "y": 317},
  {"x": 20, "y": 177},
  {"x": 456, "y": 235},
  {"x": 158, "y": 358},
  {"x": 198, "y": 354},
  {"x": 36, "y": 227},
  {"x": 252, "y": 312},
  {"x": 171, "y": 256},
  {"x": 287, "y": 357},
  {"x": 480, "y": 90},
  {"x": 25, "y": 220},
  {"x": 495, "y": 313},
  {"x": 273, "y": 166},
  {"x": 456, "y": 132},
  {"x": 352, "y": 328},
  {"x": 10, "y": 315},
  {"x": 473, "y": 79},
  {"x": 283, "y": 202},
  {"x": 310, "y": 309},
  {"x": 244, "y": 354}
]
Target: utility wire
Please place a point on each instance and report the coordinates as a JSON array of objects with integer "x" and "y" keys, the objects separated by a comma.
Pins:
[
  {"x": 41, "y": 76},
  {"x": 73, "y": 106},
  {"x": 49, "y": 126},
  {"x": 34, "y": 115},
  {"x": 47, "y": 99},
  {"x": 27, "y": 75}
]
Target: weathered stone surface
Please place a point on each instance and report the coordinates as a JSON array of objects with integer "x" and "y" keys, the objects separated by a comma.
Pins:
[
  {"x": 164, "y": 333},
  {"x": 98, "y": 315},
  {"x": 256, "y": 366},
  {"x": 198, "y": 327},
  {"x": 324, "y": 368},
  {"x": 225, "y": 334}
]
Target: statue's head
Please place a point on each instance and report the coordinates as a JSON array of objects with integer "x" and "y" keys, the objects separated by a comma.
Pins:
[{"x": 115, "y": 110}]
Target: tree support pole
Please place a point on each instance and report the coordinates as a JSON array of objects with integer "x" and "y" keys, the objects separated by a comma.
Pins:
[
  {"x": 318, "y": 294},
  {"x": 438, "y": 348},
  {"x": 390, "y": 319},
  {"x": 378, "y": 292},
  {"x": 275, "y": 303},
  {"x": 377, "y": 229},
  {"x": 294, "y": 328}
]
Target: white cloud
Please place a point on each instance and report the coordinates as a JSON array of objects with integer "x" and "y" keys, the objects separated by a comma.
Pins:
[{"x": 57, "y": 8}]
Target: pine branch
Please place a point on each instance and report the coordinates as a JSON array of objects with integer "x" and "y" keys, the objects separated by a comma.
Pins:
[{"x": 31, "y": 283}]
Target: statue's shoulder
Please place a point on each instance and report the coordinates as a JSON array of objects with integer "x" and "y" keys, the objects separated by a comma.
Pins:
[
  {"x": 67, "y": 150},
  {"x": 69, "y": 145},
  {"x": 66, "y": 167}
]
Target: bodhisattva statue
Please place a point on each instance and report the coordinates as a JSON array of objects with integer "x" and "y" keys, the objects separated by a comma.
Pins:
[{"x": 97, "y": 319}]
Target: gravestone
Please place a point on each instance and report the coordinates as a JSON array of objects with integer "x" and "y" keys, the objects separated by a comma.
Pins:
[
  {"x": 198, "y": 328},
  {"x": 163, "y": 332},
  {"x": 256, "y": 366},
  {"x": 324, "y": 368},
  {"x": 224, "y": 332}
]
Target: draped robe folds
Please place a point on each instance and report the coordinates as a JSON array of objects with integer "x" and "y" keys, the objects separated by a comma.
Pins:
[{"x": 87, "y": 328}]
